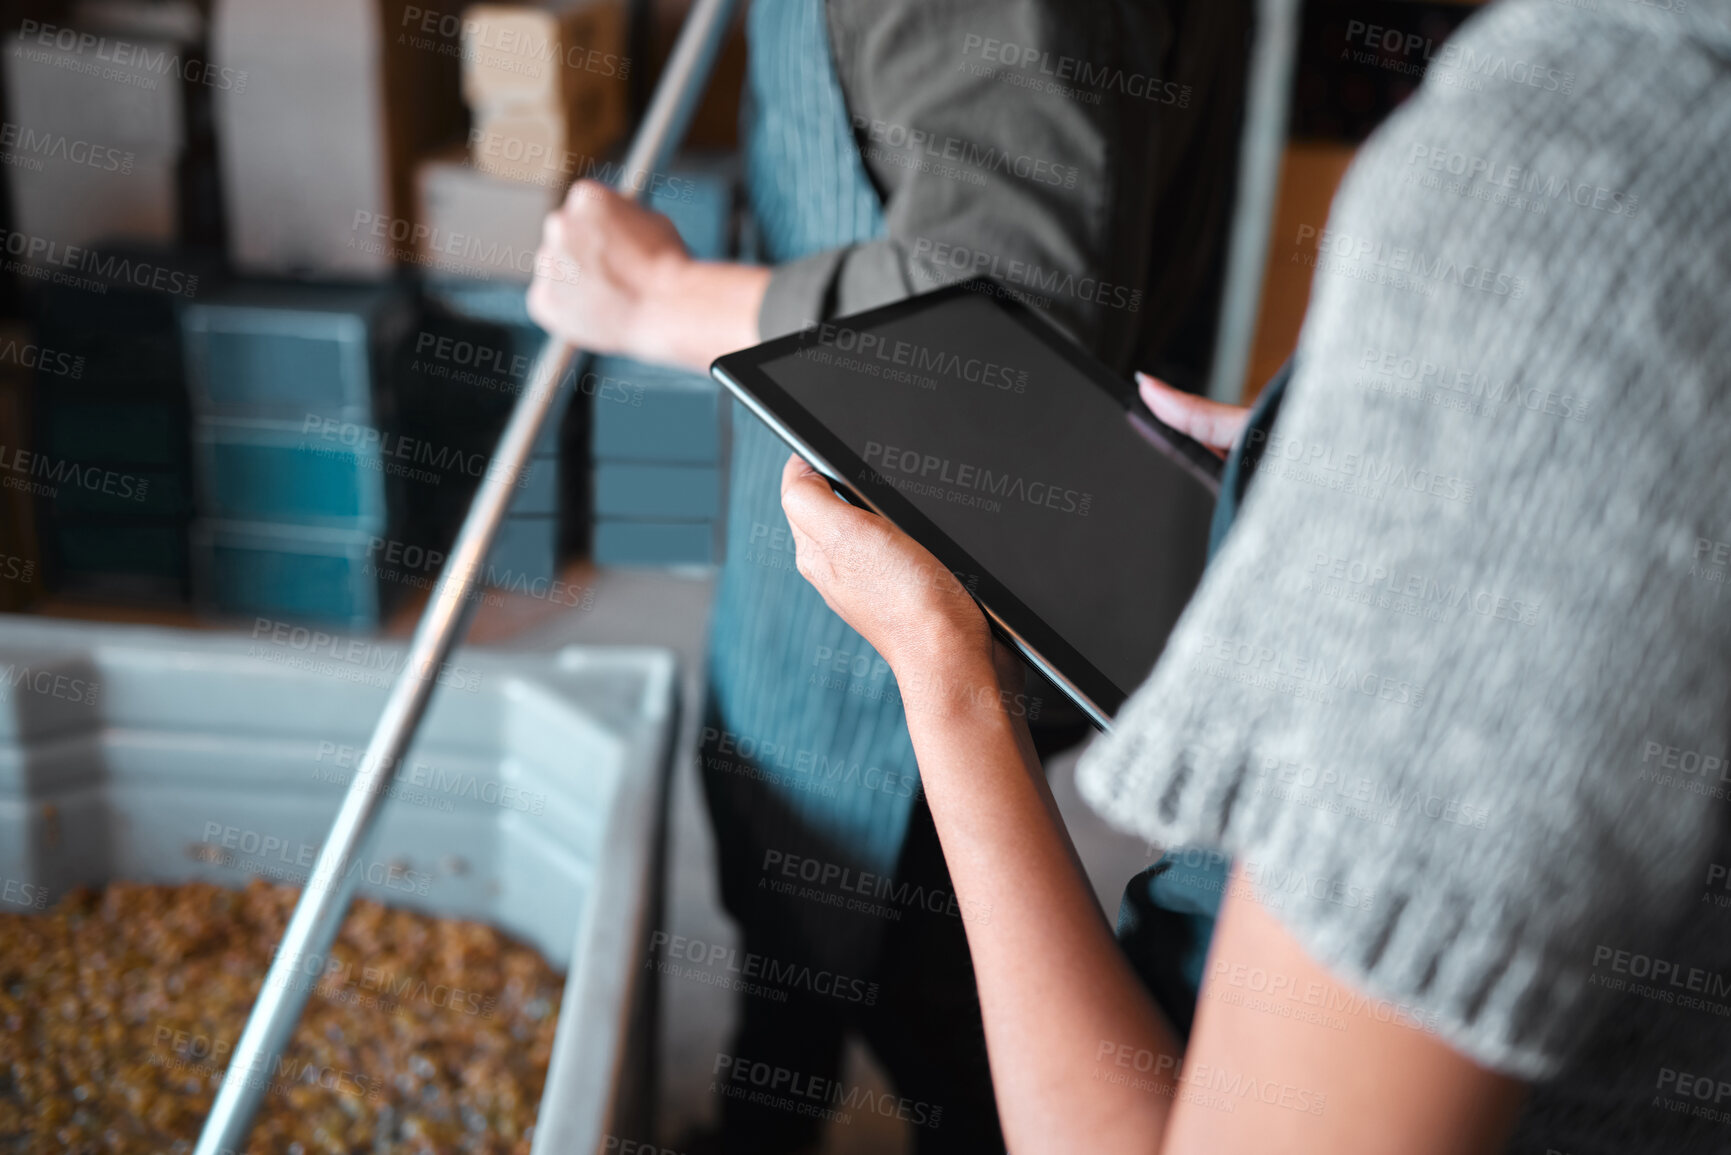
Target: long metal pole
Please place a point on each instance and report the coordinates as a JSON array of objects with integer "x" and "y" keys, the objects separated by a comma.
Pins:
[
  {"x": 1260, "y": 146},
  {"x": 325, "y": 900}
]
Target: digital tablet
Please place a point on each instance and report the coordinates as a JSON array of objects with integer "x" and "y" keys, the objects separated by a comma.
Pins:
[{"x": 1077, "y": 519}]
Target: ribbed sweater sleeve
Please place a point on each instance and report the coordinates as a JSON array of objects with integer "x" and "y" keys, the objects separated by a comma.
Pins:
[{"x": 1468, "y": 648}]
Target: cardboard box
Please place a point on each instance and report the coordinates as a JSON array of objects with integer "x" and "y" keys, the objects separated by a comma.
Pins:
[
  {"x": 556, "y": 54},
  {"x": 103, "y": 91},
  {"x": 538, "y": 146},
  {"x": 477, "y": 225},
  {"x": 548, "y": 87},
  {"x": 526, "y": 145},
  {"x": 335, "y": 103}
]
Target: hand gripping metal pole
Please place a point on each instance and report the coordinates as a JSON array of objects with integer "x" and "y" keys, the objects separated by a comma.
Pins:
[{"x": 319, "y": 913}]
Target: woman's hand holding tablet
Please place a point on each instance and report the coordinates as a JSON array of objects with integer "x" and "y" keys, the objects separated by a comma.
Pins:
[{"x": 1076, "y": 519}]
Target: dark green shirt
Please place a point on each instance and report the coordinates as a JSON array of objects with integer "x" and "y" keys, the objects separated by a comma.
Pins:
[{"x": 1078, "y": 152}]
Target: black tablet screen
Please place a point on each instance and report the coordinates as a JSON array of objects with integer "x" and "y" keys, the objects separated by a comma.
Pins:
[{"x": 1023, "y": 461}]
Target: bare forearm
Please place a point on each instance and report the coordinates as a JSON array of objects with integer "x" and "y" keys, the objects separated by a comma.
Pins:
[
  {"x": 1081, "y": 1058},
  {"x": 698, "y": 311},
  {"x": 1075, "y": 1043}
]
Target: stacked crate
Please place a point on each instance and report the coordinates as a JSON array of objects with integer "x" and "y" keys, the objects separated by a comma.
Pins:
[
  {"x": 657, "y": 433},
  {"x": 644, "y": 441},
  {"x": 304, "y": 475},
  {"x": 460, "y": 375},
  {"x": 657, "y": 465},
  {"x": 546, "y": 86},
  {"x": 544, "y": 517},
  {"x": 111, "y": 423}
]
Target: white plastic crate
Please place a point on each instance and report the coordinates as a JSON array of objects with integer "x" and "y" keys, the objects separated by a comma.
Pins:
[{"x": 534, "y": 799}]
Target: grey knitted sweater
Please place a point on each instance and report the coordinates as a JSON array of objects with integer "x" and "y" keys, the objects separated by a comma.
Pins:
[{"x": 1468, "y": 647}]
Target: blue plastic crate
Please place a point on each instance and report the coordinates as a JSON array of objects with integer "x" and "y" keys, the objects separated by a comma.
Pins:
[
  {"x": 662, "y": 492},
  {"x": 699, "y": 196},
  {"x": 495, "y": 362},
  {"x": 129, "y": 327},
  {"x": 310, "y": 573},
  {"x": 289, "y": 350},
  {"x": 123, "y": 492},
  {"x": 260, "y": 470},
  {"x": 117, "y": 560},
  {"x": 525, "y": 551},
  {"x": 80, "y": 550},
  {"x": 650, "y": 413},
  {"x": 630, "y": 542},
  {"x": 538, "y": 494},
  {"x": 129, "y": 432},
  {"x": 492, "y": 301},
  {"x": 132, "y": 364}
]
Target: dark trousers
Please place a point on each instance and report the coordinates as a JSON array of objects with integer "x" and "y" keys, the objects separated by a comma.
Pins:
[{"x": 924, "y": 1028}]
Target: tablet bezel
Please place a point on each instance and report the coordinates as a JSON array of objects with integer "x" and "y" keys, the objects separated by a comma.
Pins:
[{"x": 742, "y": 374}]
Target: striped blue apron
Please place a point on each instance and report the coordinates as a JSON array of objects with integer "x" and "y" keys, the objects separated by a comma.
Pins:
[{"x": 806, "y": 752}]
